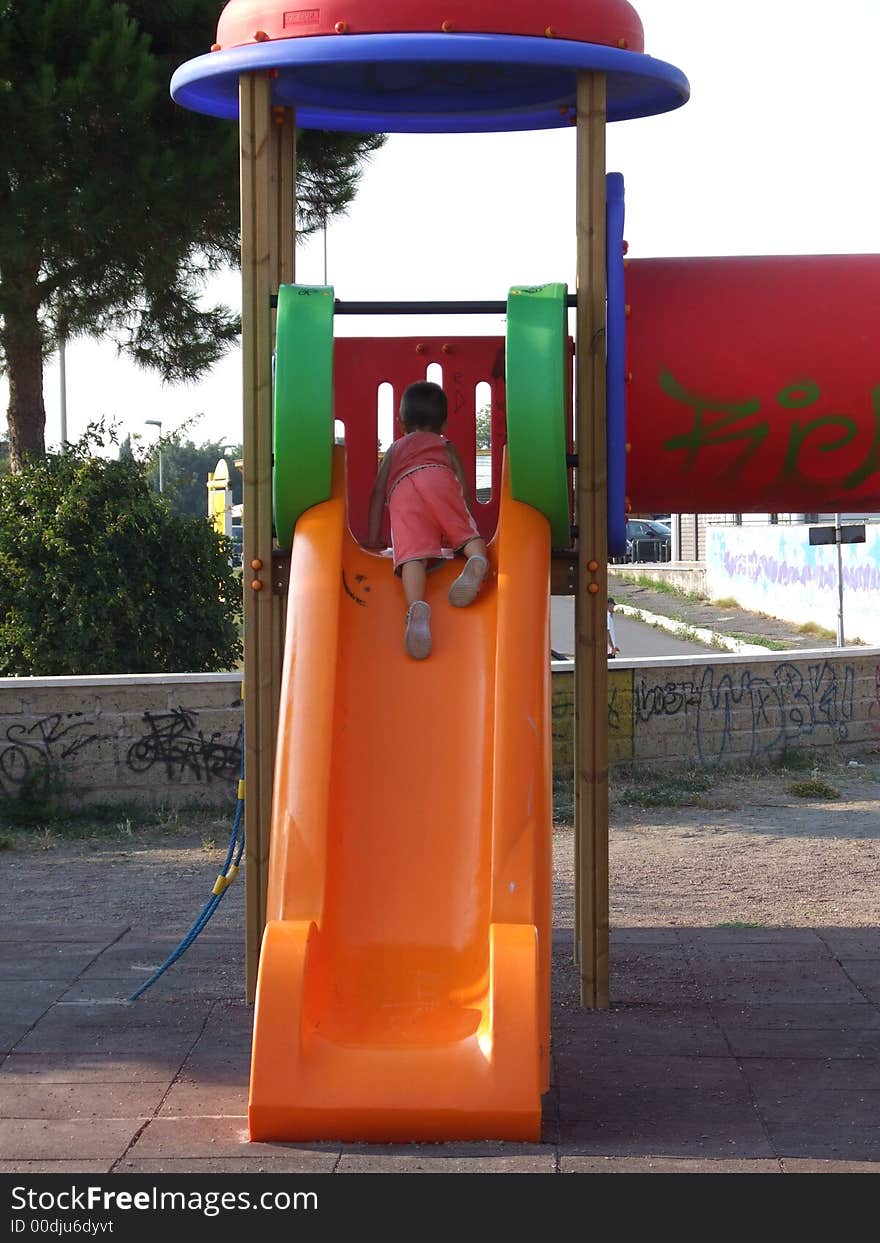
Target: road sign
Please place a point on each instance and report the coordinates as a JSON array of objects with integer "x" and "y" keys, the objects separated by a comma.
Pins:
[{"x": 853, "y": 533}]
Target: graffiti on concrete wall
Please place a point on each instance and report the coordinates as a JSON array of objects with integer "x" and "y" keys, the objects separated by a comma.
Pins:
[
  {"x": 717, "y": 422},
  {"x": 667, "y": 700},
  {"x": 874, "y": 706},
  {"x": 47, "y": 743},
  {"x": 738, "y": 712},
  {"x": 172, "y": 741},
  {"x": 620, "y": 718},
  {"x": 782, "y": 710}
]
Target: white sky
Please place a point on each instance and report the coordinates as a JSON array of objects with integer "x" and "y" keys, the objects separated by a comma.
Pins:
[{"x": 776, "y": 153}]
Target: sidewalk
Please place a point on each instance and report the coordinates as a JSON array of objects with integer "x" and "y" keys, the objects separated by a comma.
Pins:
[
  {"x": 706, "y": 615},
  {"x": 726, "y": 1049}
]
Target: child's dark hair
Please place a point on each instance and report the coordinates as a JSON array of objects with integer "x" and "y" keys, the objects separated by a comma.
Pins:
[{"x": 423, "y": 407}]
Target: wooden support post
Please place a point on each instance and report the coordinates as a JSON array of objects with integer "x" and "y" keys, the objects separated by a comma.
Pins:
[
  {"x": 591, "y": 668},
  {"x": 267, "y": 204}
]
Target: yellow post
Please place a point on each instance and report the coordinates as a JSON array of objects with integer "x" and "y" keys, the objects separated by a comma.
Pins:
[
  {"x": 265, "y": 214},
  {"x": 591, "y": 665},
  {"x": 220, "y": 498}
]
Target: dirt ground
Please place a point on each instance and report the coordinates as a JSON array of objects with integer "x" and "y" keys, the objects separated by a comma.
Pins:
[
  {"x": 750, "y": 852},
  {"x": 756, "y": 853}
]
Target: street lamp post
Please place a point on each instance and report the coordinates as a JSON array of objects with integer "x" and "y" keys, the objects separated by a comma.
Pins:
[
  {"x": 839, "y": 581},
  {"x": 62, "y": 366},
  {"x": 157, "y": 423}
]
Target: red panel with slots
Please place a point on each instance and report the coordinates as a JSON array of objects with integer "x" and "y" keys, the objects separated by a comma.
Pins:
[{"x": 362, "y": 364}]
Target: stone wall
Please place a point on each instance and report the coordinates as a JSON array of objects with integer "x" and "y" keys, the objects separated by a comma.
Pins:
[
  {"x": 684, "y": 577},
  {"x": 157, "y": 739},
  {"x": 176, "y": 738},
  {"x": 729, "y": 709}
]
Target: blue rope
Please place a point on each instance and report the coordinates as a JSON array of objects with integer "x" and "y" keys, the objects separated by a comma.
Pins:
[{"x": 233, "y": 859}]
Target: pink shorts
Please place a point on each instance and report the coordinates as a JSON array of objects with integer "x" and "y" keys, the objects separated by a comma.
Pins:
[{"x": 428, "y": 514}]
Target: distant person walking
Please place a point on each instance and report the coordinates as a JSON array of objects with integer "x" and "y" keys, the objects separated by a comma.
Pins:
[{"x": 613, "y": 649}]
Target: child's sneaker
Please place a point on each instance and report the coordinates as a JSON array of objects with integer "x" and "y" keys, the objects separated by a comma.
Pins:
[
  {"x": 417, "y": 639},
  {"x": 466, "y": 587}
]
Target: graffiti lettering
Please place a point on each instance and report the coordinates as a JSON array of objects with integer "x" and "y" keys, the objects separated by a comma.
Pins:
[
  {"x": 734, "y": 421},
  {"x": 562, "y": 716},
  {"x": 771, "y": 712},
  {"x": 173, "y": 742},
  {"x": 613, "y": 711},
  {"x": 759, "y": 566},
  {"x": 718, "y": 431},
  {"x": 668, "y": 700},
  {"x": 874, "y": 705},
  {"x": 45, "y": 744},
  {"x": 740, "y": 712},
  {"x": 872, "y": 461},
  {"x": 799, "y": 433}
]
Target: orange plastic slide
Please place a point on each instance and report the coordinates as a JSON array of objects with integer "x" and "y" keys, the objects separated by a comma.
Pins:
[{"x": 404, "y": 981}]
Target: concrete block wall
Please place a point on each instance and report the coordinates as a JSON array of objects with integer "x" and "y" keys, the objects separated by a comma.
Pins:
[
  {"x": 151, "y": 738},
  {"x": 166, "y": 739},
  {"x": 730, "y": 709}
]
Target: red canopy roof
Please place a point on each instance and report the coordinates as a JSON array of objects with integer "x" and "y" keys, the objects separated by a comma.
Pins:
[{"x": 614, "y": 23}]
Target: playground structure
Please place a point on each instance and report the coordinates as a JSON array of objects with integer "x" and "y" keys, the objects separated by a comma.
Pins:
[{"x": 404, "y": 977}]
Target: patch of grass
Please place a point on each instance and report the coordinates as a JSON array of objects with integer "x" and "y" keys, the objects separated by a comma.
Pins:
[
  {"x": 773, "y": 645},
  {"x": 7, "y": 840},
  {"x": 645, "y": 788},
  {"x": 563, "y": 799},
  {"x": 790, "y": 760},
  {"x": 42, "y": 797},
  {"x": 813, "y": 787},
  {"x": 107, "y": 820},
  {"x": 666, "y": 589},
  {"x": 727, "y": 603},
  {"x": 797, "y": 760},
  {"x": 814, "y": 628},
  {"x": 737, "y": 923}
]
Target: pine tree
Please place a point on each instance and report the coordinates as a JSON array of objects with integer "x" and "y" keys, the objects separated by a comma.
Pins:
[{"x": 115, "y": 204}]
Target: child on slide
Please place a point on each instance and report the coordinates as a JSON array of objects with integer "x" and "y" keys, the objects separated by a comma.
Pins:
[{"x": 422, "y": 482}]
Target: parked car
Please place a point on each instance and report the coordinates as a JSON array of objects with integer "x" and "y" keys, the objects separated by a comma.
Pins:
[{"x": 648, "y": 540}]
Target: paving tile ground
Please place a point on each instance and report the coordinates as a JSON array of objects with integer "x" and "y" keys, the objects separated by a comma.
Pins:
[{"x": 737, "y": 1051}]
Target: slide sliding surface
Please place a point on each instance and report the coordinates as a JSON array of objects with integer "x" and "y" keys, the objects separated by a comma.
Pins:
[{"x": 403, "y": 989}]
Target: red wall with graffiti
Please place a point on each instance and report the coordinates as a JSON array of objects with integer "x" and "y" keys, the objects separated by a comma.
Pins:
[{"x": 755, "y": 384}]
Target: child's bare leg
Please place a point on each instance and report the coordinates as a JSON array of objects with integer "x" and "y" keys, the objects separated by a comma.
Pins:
[
  {"x": 413, "y": 575},
  {"x": 417, "y": 639},
  {"x": 466, "y": 587},
  {"x": 476, "y": 548}
]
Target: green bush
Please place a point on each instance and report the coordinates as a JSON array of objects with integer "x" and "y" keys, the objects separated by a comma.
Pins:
[
  {"x": 41, "y": 798},
  {"x": 97, "y": 575}
]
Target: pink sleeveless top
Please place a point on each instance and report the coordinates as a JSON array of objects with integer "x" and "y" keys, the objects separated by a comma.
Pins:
[{"x": 414, "y": 451}]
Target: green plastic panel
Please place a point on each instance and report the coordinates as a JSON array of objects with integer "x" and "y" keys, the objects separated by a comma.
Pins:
[
  {"x": 302, "y": 439},
  {"x": 537, "y": 403}
]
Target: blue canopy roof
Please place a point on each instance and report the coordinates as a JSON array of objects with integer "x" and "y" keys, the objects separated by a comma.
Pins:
[{"x": 431, "y": 83}]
